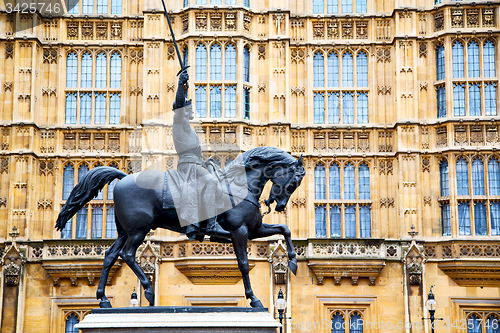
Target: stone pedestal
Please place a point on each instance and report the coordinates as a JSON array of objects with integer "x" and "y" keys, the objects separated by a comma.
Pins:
[{"x": 177, "y": 319}]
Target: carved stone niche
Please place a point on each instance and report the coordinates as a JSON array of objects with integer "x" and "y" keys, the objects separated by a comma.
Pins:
[
  {"x": 279, "y": 260},
  {"x": 90, "y": 272},
  {"x": 12, "y": 261},
  {"x": 353, "y": 269},
  {"x": 414, "y": 260},
  {"x": 148, "y": 256}
]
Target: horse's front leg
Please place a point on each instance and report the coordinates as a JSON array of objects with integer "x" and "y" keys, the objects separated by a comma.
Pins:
[
  {"x": 266, "y": 230},
  {"x": 240, "y": 240}
]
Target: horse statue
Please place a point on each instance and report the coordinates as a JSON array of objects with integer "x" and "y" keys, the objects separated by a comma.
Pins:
[{"x": 139, "y": 208}]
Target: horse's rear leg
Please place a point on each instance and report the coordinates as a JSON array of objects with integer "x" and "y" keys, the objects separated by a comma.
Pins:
[
  {"x": 266, "y": 230},
  {"x": 240, "y": 239},
  {"x": 109, "y": 260}
]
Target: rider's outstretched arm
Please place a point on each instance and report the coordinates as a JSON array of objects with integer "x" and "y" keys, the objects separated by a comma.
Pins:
[{"x": 181, "y": 102}]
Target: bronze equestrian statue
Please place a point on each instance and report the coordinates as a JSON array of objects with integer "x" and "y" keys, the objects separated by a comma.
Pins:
[{"x": 144, "y": 201}]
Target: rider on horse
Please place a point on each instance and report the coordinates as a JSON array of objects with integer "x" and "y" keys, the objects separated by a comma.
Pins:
[{"x": 201, "y": 194}]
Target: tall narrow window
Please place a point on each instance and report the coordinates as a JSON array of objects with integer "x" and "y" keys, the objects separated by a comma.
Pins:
[
  {"x": 215, "y": 62},
  {"x": 350, "y": 221},
  {"x": 355, "y": 323},
  {"x": 246, "y": 105},
  {"x": 70, "y": 114},
  {"x": 215, "y": 102},
  {"x": 201, "y": 101},
  {"x": 444, "y": 178},
  {"x": 347, "y": 70},
  {"x": 364, "y": 182},
  {"x": 477, "y": 177},
  {"x": 474, "y": 324},
  {"x": 320, "y": 217},
  {"x": 480, "y": 219},
  {"x": 319, "y": 182},
  {"x": 346, "y": 6},
  {"x": 116, "y": 6},
  {"x": 474, "y": 99},
  {"x": 71, "y": 321},
  {"x": 338, "y": 323},
  {"x": 86, "y": 80},
  {"x": 362, "y": 69},
  {"x": 81, "y": 223},
  {"x": 71, "y": 70},
  {"x": 440, "y": 66},
  {"x": 462, "y": 177},
  {"x": 489, "y": 59},
  {"x": 365, "y": 222},
  {"x": 230, "y": 101},
  {"x": 82, "y": 171},
  {"x": 68, "y": 181},
  {"x": 463, "y": 218},
  {"x": 361, "y": 6},
  {"x": 96, "y": 222},
  {"x": 459, "y": 100},
  {"x": 334, "y": 182},
  {"x": 114, "y": 108},
  {"x": 230, "y": 62},
  {"x": 246, "y": 3},
  {"x": 363, "y": 108},
  {"x": 494, "y": 176},
  {"x": 185, "y": 56},
  {"x": 490, "y": 99},
  {"x": 246, "y": 64},
  {"x": 319, "y": 70},
  {"x": 318, "y": 7},
  {"x": 348, "y": 108},
  {"x": 333, "y": 108},
  {"x": 473, "y": 59},
  {"x": 102, "y": 6},
  {"x": 495, "y": 218},
  {"x": 349, "y": 182},
  {"x": 335, "y": 230},
  {"x": 458, "y": 60},
  {"x": 85, "y": 108},
  {"x": 116, "y": 70},
  {"x": 319, "y": 108},
  {"x": 445, "y": 219},
  {"x": 492, "y": 325},
  {"x": 67, "y": 232},
  {"x": 332, "y": 6},
  {"x": 441, "y": 102},
  {"x": 201, "y": 62},
  {"x": 110, "y": 222},
  {"x": 333, "y": 70},
  {"x": 73, "y": 6},
  {"x": 100, "y": 108},
  {"x": 101, "y": 70},
  {"x": 87, "y": 7}
]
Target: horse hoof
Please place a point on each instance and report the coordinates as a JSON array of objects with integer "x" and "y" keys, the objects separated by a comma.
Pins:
[
  {"x": 256, "y": 304},
  {"x": 150, "y": 296},
  {"x": 105, "y": 304},
  {"x": 292, "y": 265}
]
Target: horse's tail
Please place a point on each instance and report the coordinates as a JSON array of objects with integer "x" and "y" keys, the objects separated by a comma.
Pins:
[{"x": 85, "y": 190}]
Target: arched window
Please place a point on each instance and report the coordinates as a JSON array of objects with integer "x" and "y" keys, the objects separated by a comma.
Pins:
[
  {"x": 362, "y": 69},
  {"x": 116, "y": 70},
  {"x": 459, "y": 100},
  {"x": 68, "y": 181},
  {"x": 86, "y": 80},
  {"x": 318, "y": 7},
  {"x": 102, "y": 6},
  {"x": 114, "y": 108},
  {"x": 495, "y": 218},
  {"x": 320, "y": 220},
  {"x": 489, "y": 59},
  {"x": 230, "y": 62},
  {"x": 480, "y": 219},
  {"x": 473, "y": 59},
  {"x": 338, "y": 323},
  {"x": 347, "y": 70},
  {"x": 116, "y": 6},
  {"x": 333, "y": 107},
  {"x": 71, "y": 321},
  {"x": 85, "y": 108},
  {"x": 230, "y": 101},
  {"x": 350, "y": 221},
  {"x": 215, "y": 102},
  {"x": 97, "y": 222},
  {"x": 362, "y": 108},
  {"x": 349, "y": 182},
  {"x": 490, "y": 99},
  {"x": 201, "y": 101},
  {"x": 444, "y": 178},
  {"x": 364, "y": 182},
  {"x": 445, "y": 219},
  {"x": 319, "y": 182},
  {"x": 332, "y": 6},
  {"x": 246, "y": 64},
  {"x": 365, "y": 221},
  {"x": 319, "y": 108},
  {"x": 494, "y": 176},
  {"x": 355, "y": 323},
  {"x": 81, "y": 223},
  {"x": 335, "y": 229},
  {"x": 473, "y": 324},
  {"x": 201, "y": 62},
  {"x": 110, "y": 222},
  {"x": 361, "y": 6},
  {"x": 71, "y": 70},
  {"x": 101, "y": 70},
  {"x": 458, "y": 60},
  {"x": 440, "y": 66},
  {"x": 462, "y": 177},
  {"x": 348, "y": 108},
  {"x": 475, "y": 99},
  {"x": 215, "y": 62},
  {"x": 463, "y": 218},
  {"x": 70, "y": 114},
  {"x": 319, "y": 70},
  {"x": 492, "y": 325},
  {"x": 82, "y": 171},
  {"x": 87, "y": 7},
  {"x": 100, "y": 108},
  {"x": 334, "y": 182},
  {"x": 441, "y": 102},
  {"x": 185, "y": 56},
  {"x": 333, "y": 70},
  {"x": 246, "y": 103},
  {"x": 346, "y": 6},
  {"x": 477, "y": 177}
]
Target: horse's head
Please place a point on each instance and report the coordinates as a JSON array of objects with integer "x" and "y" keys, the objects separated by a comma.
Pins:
[{"x": 285, "y": 180}]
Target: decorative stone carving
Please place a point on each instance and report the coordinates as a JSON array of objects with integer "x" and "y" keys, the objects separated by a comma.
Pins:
[
  {"x": 426, "y": 164},
  {"x": 422, "y": 50},
  {"x": 363, "y": 141},
  {"x": 147, "y": 257},
  {"x": 230, "y": 21},
  {"x": 491, "y": 134},
  {"x": 472, "y": 18},
  {"x": 136, "y": 56},
  {"x": 262, "y": 51},
  {"x": 247, "y": 21},
  {"x": 427, "y": 201},
  {"x": 44, "y": 204},
  {"x": 476, "y": 135},
  {"x": 72, "y": 30},
  {"x": 461, "y": 135},
  {"x": 488, "y": 17},
  {"x": 384, "y": 90},
  {"x": 185, "y": 23},
  {"x": 319, "y": 30},
  {"x": 385, "y": 141},
  {"x": 387, "y": 203},
  {"x": 134, "y": 167},
  {"x": 7, "y": 86},
  {"x": 347, "y": 30},
  {"x": 457, "y": 18},
  {"x": 383, "y": 54},
  {"x": 332, "y": 29},
  {"x": 384, "y": 30},
  {"x": 297, "y": 55},
  {"x": 101, "y": 30},
  {"x": 414, "y": 260},
  {"x": 438, "y": 21},
  {"x": 442, "y": 139},
  {"x": 279, "y": 261},
  {"x": 362, "y": 29},
  {"x": 88, "y": 272},
  {"x": 215, "y": 21},
  {"x": 12, "y": 260},
  {"x": 385, "y": 166},
  {"x": 3, "y": 202},
  {"x": 201, "y": 22},
  {"x": 87, "y": 30},
  {"x": 50, "y": 56}
]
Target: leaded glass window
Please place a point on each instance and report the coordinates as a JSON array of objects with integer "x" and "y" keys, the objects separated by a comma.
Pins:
[
  {"x": 87, "y": 7},
  {"x": 473, "y": 59},
  {"x": 494, "y": 176},
  {"x": 81, "y": 223},
  {"x": 333, "y": 108},
  {"x": 230, "y": 101},
  {"x": 116, "y": 70},
  {"x": 319, "y": 70},
  {"x": 71, "y": 70},
  {"x": 201, "y": 62},
  {"x": 114, "y": 108},
  {"x": 100, "y": 108},
  {"x": 478, "y": 177},
  {"x": 101, "y": 70},
  {"x": 363, "y": 108},
  {"x": 440, "y": 63},
  {"x": 445, "y": 219},
  {"x": 444, "y": 179},
  {"x": 335, "y": 228},
  {"x": 458, "y": 60},
  {"x": 320, "y": 213},
  {"x": 355, "y": 323},
  {"x": 490, "y": 99},
  {"x": 85, "y": 108},
  {"x": 70, "y": 114},
  {"x": 230, "y": 62},
  {"x": 215, "y": 102},
  {"x": 71, "y": 321},
  {"x": 86, "y": 80},
  {"x": 350, "y": 221},
  {"x": 246, "y": 64},
  {"x": 346, "y": 6},
  {"x": 102, "y": 6},
  {"x": 110, "y": 222},
  {"x": 495, "y": 218},
  {"x": 474, "y": 99},
  {"x": 338, "y": 323},
  {"x": 349, "y": 182},
  {"x": 441, "y": 102},
  {"x": 246, "y": 100},
  {"x": 318, "y": 6},
  {"x": 333, "y": 70},
  {"x": 201, "y": 101},
  {"x": 489, "y": 59},
  {"x": 464, "y": 218},
  {"x": 334, "y": 178},
  {"x": 319, "y": 108},
  {"x": 362, "y": 69},
  {"x": 365, "y": 225},
  {"x": 364, "y": 182},
  {"x": 462, "y": 177},
  {"x": 348, "y": 108},
  {"x": 473, "y": 324},
  {"x": 215, "y": 62},
  {"x": 480, "y": 219},
  {"x": 68, "y": 181},
  {"x": 116, "y": 6},
  {"x": 319, "y": 182},
  {"x": 97, "y": 222},
  {"x": 347, "y": 70},
  {"x": 459, "y": 100}
]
